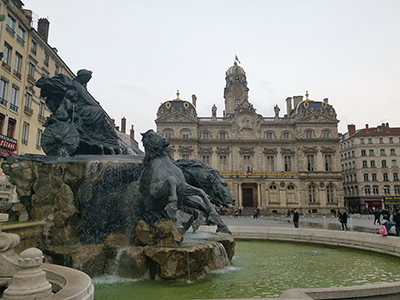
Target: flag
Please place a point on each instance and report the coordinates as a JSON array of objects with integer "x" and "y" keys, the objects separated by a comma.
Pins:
[
  {"x": 249, "y": 171},
  {"x": 237, "y": 59}
]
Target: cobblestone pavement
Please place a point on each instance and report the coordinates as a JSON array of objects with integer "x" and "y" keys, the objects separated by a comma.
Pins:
[{"x": 362, "y": 223}]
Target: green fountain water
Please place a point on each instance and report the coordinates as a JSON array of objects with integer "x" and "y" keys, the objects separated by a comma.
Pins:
[{"x": 264, "y": 269}]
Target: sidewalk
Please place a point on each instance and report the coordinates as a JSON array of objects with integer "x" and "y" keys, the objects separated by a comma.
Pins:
[{"x": 361, "y": 223}]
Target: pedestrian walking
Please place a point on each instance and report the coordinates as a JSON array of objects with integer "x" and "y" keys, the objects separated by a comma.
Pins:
[
  {"x": 377, "y": 215},
  {"x": 296, "y": 218},
  {"x": 334, "y": 212},
  {"x": 255, "y": 214},
  {"x": 288, "y": 213},
  {"x": 236, "y": 213},
  {"x": 343, "y": 219}
]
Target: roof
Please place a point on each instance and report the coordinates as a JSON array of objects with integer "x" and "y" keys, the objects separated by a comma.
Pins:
[
  {"x": 176, "y": 104},
  {"x": 235, "y": 70},
  {"x": 377, "y": 131}
]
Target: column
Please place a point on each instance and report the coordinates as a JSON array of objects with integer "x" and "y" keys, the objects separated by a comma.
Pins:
[
  {"x": 240, "y": 195},
  {"x": 259, "y": 194}
]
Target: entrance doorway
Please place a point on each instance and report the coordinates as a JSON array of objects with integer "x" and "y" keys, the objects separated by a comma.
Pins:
[{"x": 249, "y": 199}]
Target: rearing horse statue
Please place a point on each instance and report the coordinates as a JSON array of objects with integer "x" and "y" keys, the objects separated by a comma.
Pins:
[{"x": 166, "y": 186}]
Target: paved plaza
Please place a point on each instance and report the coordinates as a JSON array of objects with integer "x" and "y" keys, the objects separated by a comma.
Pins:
[{"x": 361, "y": 223}]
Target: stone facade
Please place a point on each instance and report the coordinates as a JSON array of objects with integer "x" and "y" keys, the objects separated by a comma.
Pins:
[
  {"x": 274, "y": 163},
  {"x": 369, "y": 161}
]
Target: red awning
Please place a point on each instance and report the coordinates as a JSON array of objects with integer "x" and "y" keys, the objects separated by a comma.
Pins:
[{"x": 5, "y": 153}]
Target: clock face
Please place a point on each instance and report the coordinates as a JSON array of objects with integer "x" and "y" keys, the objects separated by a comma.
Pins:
[{"x": 237, "y": 91}]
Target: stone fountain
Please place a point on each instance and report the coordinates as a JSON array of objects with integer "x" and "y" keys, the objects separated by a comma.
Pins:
[{"x": 117, "y": 213}]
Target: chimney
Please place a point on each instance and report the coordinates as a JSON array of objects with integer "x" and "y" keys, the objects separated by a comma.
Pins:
[
  {"x": 351, "y": 128},
  {"x": 366, "y": 128},
  {"x": 117, "y": 128},
  {"x": 194, "y": 100},
  {"x": 297, "y": 100},
  {"x": 112, "y": 123},
  {"x": 132, "y": 132},
  {"x": 123, "y": 125},
  {"x": 288, "y": 105},
  {"x": 43, "y": 28},
  {"x": 387, "y": 127}
]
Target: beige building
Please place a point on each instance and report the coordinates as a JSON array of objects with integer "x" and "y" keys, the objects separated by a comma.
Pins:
[
  {"x": 370, "y": 160},
  {"x": 275, "y": 163}
]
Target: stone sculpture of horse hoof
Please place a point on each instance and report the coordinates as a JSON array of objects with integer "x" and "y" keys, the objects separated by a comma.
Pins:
[{"x": 171, "y": 209}]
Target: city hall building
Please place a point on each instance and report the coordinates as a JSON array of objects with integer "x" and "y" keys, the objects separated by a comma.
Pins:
[{"x": 274, "y": 163}]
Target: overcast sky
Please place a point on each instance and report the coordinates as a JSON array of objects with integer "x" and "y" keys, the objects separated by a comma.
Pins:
[{"x": 141, "y": 52}]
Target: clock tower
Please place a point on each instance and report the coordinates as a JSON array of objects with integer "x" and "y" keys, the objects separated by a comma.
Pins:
[{"x": 236, "y": 90}]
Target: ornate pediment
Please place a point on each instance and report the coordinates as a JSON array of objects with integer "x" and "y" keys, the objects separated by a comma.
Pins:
[
  {"x": 206, "y": 150},
  {"x": 270, "y": 151},
  {"x": 245, "y": 106},
  {"x": 246, "y": 150},
  {"x": 223, "y": 150},
  {"x": 319, "y": 115},
  {"x": 287, "y": 151},
  {"x": 177, "y": 115},
  {"x": 327, "y": 149},
  {"x": 185, "y": 149},
  {"x": 312, "y": 149}
]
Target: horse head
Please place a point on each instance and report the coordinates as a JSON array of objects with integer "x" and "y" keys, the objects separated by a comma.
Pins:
[{"x": 154, "y": 142}]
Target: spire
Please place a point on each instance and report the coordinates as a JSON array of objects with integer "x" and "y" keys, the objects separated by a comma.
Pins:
[
  {"x": 307, "y": 96},
  {"x": 177, "y": 96}
]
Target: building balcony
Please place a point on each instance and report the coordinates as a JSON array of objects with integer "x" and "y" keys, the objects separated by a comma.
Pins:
[
  {"x": 41, "y": 118},
  {"x": 3, "y": 101},
  {"x": 31, "y": 79},
  {"x": 20, "y": 40},
  {"x": 28, "y": 110},
  {"x": 17, "y": 74},
  {"x": 10, "y": 30},
  {"x": 6, "y": 66},
  {"x": 13, "y": 107}
]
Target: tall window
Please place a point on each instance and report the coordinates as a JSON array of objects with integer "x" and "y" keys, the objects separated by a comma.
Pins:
[
  {"x": 326, "y": 134},
  {"x": 286, "y": 135},
  {"x": 185, "y": 134},
  {"x": 369, "y": 140},
  {"x": 312, "y": 193},
  {"x": 237, "y": 103},
  {"x": 290, "y": 194},
  {"x": 328, "y": 162},
  {"x": 396, "y": 176},
  {"x": 373, "y": 164},
  {"x": 206, "y": 135},
  {"x": 392, "y": 152},
  {"x": 330, "y": 194},
  {"x": 383, "y": 153},
  {"x": 38, "y": 139},
  {"x": 247, "y": 161},
  {"x": 380, "y": 140},
  {"x": 271, "y": 163},
  {"x": 371, "y": 152},
  {"x": 397, "y": 189},
  {"x": 3, "y": 91},
  {"x": 367, "y": 190},
  {"x": 7, "y": 53},
  {"x": 10, "y": 27},
  {"x": 364, "y": 163},
  {"x": 385, "y": 177},
  {"x": 308, "y": 134},
  {"x": 375, "y": 190},
  {"x": 56, "y": 70},
  {"x": 366, "y": 177},
  {"x": 11, "y": 127},
  {"x": 288, "y": 163},
  {"x": 374, "y": 178},
  {"x": 31, "y": 70},
  {"x": 25, "y": 133},
  {"x": 384, "y": 164},
  {"x": 310, "y": 162},
  {"x": 273, "y": 194},
  {"x": 46, "y": 59},
  {"x": 391, "y": 140},
  {"x": 17, "y": 65},
  {"x": 33, "y": 47},
  {"x": 41, "y": 109},
  {"x": 14, "y": 101},
  {"x": 21, "y": 35},
  {"x": 2, "y": 119},
  {"x": 386, "y": 189},
  {"x": 222, "y": 163},
  {"x": 362, "y": 141},
  {"x": 394, "y": 163},
  {"x": 222, "y": 135},
  {"x": 167, "y": 135},
  {"x": 206, "y": 159},
  {"x": 268, "y": 135},
  {"x": 363, "y": 152}
]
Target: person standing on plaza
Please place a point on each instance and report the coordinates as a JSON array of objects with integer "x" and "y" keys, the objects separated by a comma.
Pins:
[
  {"x": 255, "y": 214},
  {"x": 396, "y": 219},
  {"x": 377, "y": 215},
  {"x": 343, "y": 219},
  {"x": 295, "y": 218}
]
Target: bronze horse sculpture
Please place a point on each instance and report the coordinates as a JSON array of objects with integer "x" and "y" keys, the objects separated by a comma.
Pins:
[{"x": 165, "y": 186}]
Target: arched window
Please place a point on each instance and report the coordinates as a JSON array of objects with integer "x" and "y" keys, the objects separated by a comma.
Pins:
[
  {"x": 290, "y": 194},
  {"x": 273, "y": 193},
  {"x": 309, "y": 134}
]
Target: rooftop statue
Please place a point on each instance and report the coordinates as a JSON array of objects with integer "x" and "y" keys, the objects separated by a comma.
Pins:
[{"x": 77, "y": 123}]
